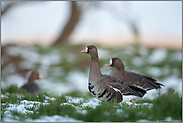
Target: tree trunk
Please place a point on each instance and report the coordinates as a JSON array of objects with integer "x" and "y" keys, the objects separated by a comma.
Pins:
[{"x": 74, "y": 19}]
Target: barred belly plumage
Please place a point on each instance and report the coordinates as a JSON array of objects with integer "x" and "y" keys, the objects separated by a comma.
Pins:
[{"x": 103, "y": 94}]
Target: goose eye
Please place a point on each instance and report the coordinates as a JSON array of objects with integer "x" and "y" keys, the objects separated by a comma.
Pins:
[
  {"x": 110, "y": 61},
  {"x": 90, "y": 48}
]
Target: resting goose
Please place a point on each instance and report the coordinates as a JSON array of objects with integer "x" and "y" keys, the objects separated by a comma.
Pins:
[{"x": 31, "y": 86}]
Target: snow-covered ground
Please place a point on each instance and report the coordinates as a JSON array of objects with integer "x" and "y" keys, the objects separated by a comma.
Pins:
[{"x": 92, "y": 102}]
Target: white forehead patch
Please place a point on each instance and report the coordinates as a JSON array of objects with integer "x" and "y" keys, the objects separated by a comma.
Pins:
[
  {"x": 110, "y": 61},
  {"x": 86, "y": 49}
]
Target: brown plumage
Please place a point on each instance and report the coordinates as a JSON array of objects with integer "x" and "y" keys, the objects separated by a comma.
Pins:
[
  {"x": 130, "y": 78},
  {"x": 105, "y": 87},
  {"x": 31, "y": 86}
]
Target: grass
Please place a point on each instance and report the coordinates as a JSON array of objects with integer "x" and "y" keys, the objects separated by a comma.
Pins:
[
  {"x": 164, "y": 106},
  {"x": 79, "y": 94}
]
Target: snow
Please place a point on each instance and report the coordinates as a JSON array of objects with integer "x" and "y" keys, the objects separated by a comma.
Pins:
[
  {"x": 50, "y": 59},
  {"x": 143, "y": 120},
  {"x": 74, "y": 100},
  {"x": 50, "y": 98},
  {"x": 158, "y": 55},
  {"x": 54, "y": 118},
  {"x": 78, "y": 80},
  {"x": 172, "y": 82},
  {"x": 177, "y": 56},
  {"x": 13, "y": 80},
  {"x": 154, "y": 71},
  {"x": 119, "y": 110},
  {"x": 21, "y": 107},
  {"x": 168, "y": 119},
  {"x": 92, "y": 102},
  {"x": 137, "y": 61}
]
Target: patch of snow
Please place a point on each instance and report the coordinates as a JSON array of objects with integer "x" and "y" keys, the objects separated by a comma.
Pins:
[
  {"x": 154, "y": 71},
  {"x": 13, "y": 80},
  {"x": 177, "y": 56},
  {"x": 14, "y": 51},
  {"x": 78, "y": 80},
  {"x": 77, "y": 108},
  {"x": 26, "y": 53},
  {"x": 54, "y": 118},
  {"x": 158, "y": 55},
  {"x": 49, "y": 59},
  {"x": 26, "y": 65},
  {"x": 119, "y": 110},
  {"x": 147, "y": 104},
  {"x": 168, "y": 119},
  {"x": 19, "y": 108},
  {"x": 74, "y": 100},
  {"x": 8, "y": 69},
  {"x": 172, "y": 82},
  {"x": 151, "y": 94},
  {"x": 9, "y": 118},
  {"x": 55, "y": 88},
  {"x": 143, "y": 51},
  {"x": 50, "y": 98},
  {"x": 82, "y": 111},
  {"x": 137, "y": 61},
  {"x": 143, "y": 120},
  {"x": 4, "y": 96},
  {"x": 92, "y": 102}
]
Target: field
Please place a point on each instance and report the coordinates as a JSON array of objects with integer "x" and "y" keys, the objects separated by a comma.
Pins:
[{"x": 65, "y": 97}]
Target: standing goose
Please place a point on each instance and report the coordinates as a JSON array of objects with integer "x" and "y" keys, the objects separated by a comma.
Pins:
[
  {"x": 105, "y": 87},
  {"x": 31, "y": 86},
  {"x": 131, "y": 78}
]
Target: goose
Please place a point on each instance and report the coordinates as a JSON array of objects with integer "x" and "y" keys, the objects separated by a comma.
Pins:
[
  {"x": 106, "y": 87},
  {"x": 131, "y": 78},
  {"x": 31, "y": 86}
]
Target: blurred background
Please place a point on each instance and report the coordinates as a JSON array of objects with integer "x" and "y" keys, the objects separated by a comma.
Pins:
[{"x": 49, "y": 35}]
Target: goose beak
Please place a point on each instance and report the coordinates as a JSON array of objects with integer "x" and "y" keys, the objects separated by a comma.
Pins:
[
  {"x": 84, "y": 51},
  {"x": 41, "y": 77},
  {"x": 108, "y": 64}
]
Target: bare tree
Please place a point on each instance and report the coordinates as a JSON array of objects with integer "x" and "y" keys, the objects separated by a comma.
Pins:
[
  {"x": 73, "y": 20},
  {"x": 5, "y": 8}
]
